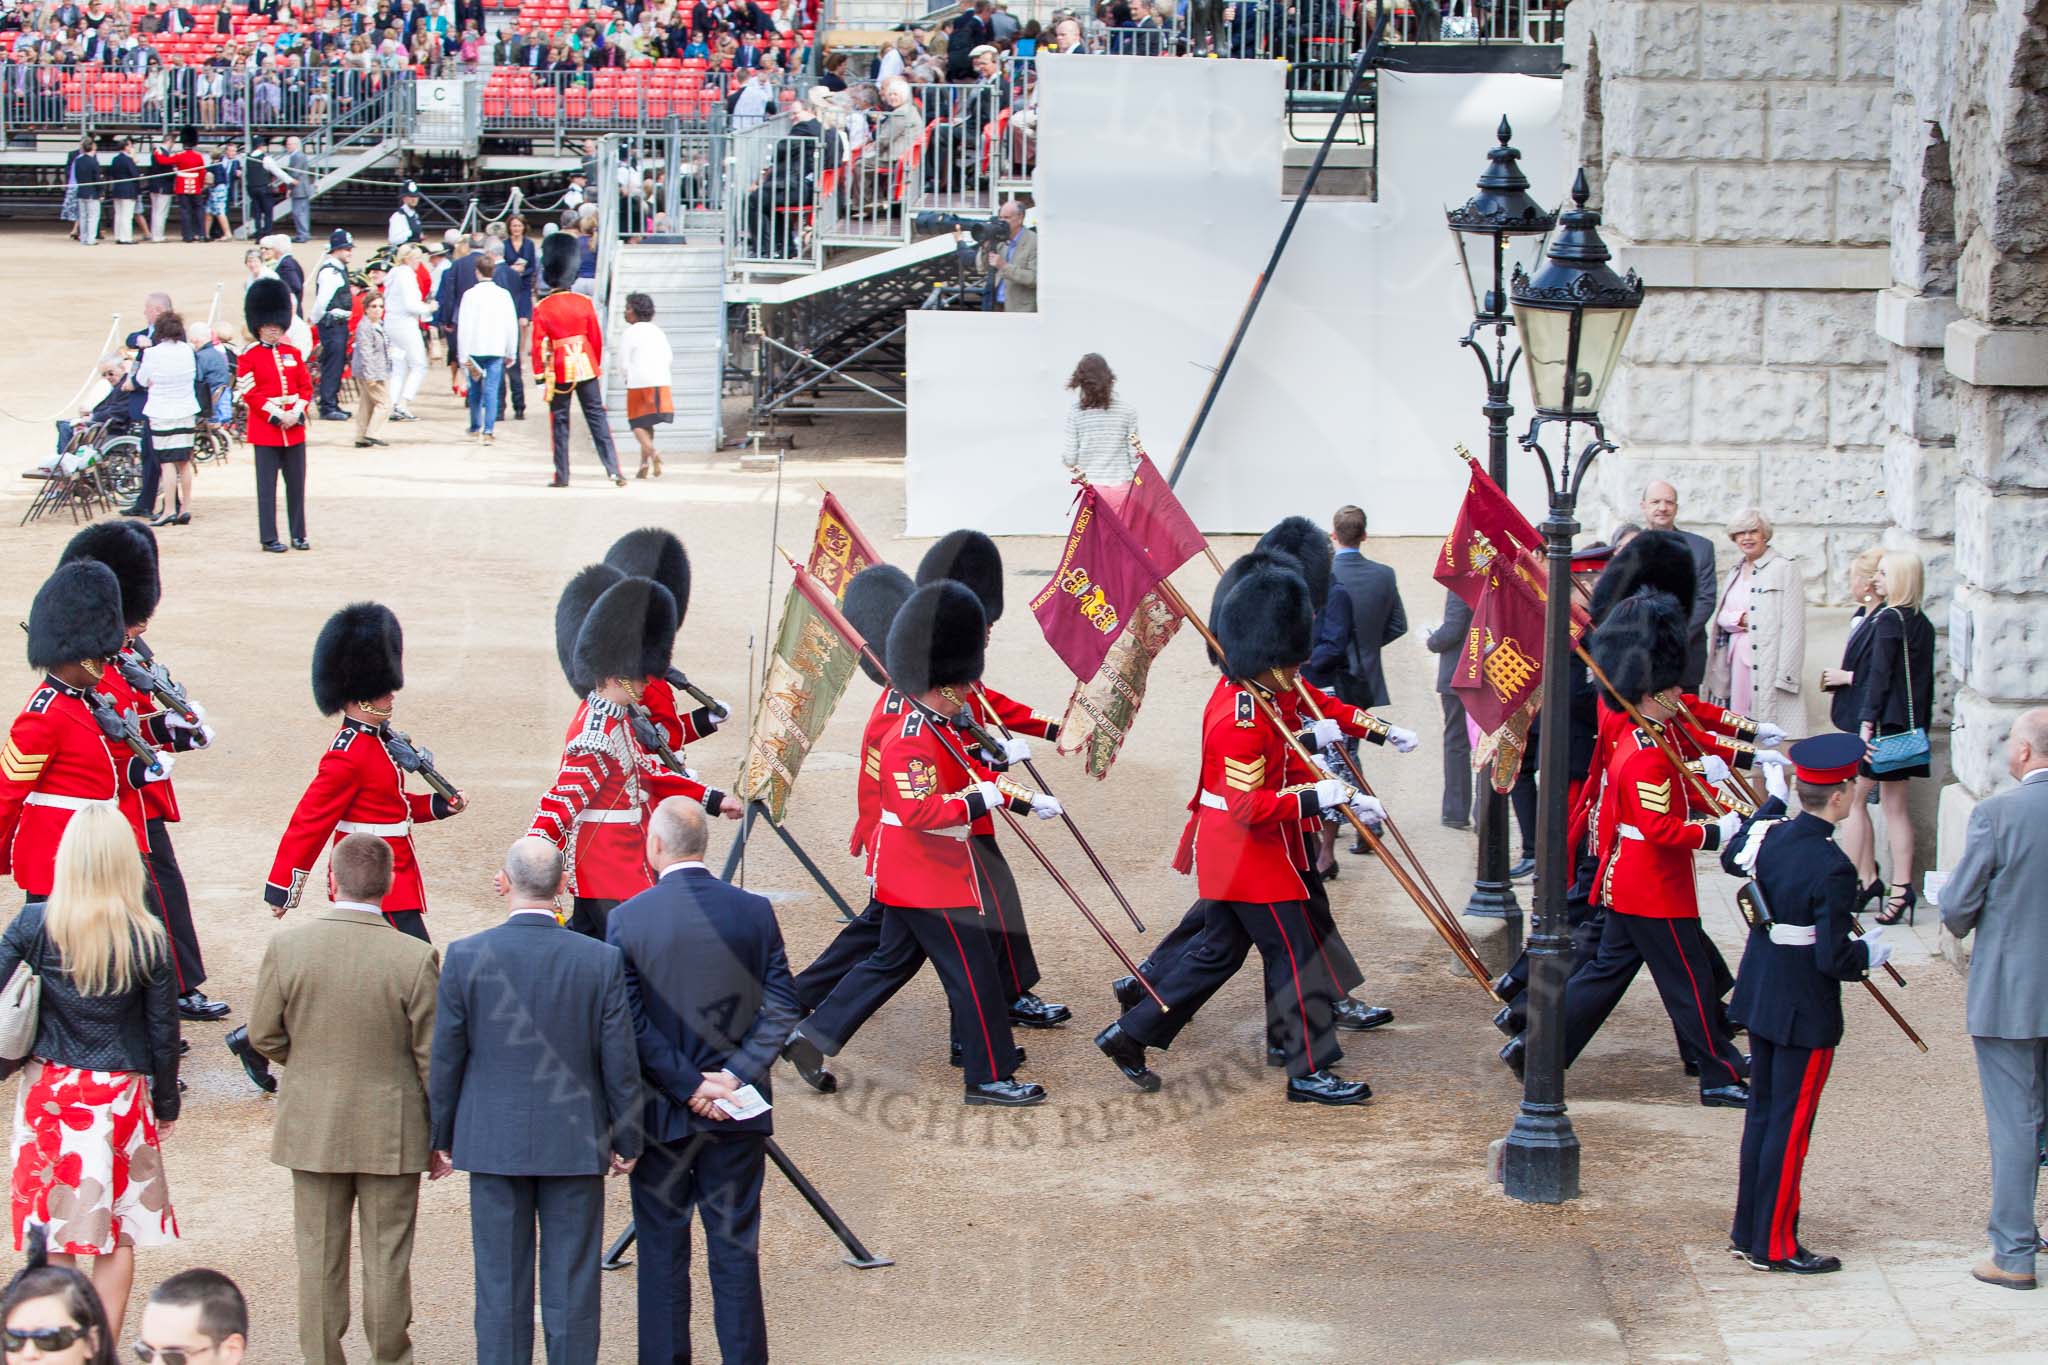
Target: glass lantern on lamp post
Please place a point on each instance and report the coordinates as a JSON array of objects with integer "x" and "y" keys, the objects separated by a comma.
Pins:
[
  {"x": 1497, "y": 227},
  {"x": 1573, "y": 315}
]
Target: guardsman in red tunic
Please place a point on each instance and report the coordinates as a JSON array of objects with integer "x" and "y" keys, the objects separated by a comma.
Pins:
[
  {"x": 609, "y": 778},
  {"x": 1244, "y": 841},
  {"x": 358, "y": 669},
  {"x": 924, "y": 875},
  {"x": 871, "y": 602},
  {"x": 1651, "y": 824},
  {"x": 274, "y": 384},
  {"x": 59, "y": 756},
  {"x": 129, "y": 549},
  {"x": 651, "y": 552},
  {"x": 971, "y": 559},
  {"x": 568, "y": 356}
]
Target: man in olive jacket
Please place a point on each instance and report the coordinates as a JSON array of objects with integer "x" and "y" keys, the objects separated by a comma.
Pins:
[{"x": 346, "y": 1005}]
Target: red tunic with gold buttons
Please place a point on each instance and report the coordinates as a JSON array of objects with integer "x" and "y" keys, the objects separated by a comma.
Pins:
[
  {"x": 1244, "y": 839},
  {"x": 929, "y": 802},
  {"x": 1722, "y": 733},
  {"x": 357, "y": 789},
  {"x": 1354, "y": 721},
  {"x": 596, "y": 810},
  {"x": 272, "y": 371},
  {"x": 867, "y": 790},
  {"x": 55, "y": 761},
  {"x": 1650, "y": 825}
]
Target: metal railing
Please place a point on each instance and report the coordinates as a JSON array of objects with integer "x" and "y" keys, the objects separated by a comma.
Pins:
[
  {"x": 218, "y": 101},
  {"x": 771, "y": 199},
  {"x": 638, "y": 101}
]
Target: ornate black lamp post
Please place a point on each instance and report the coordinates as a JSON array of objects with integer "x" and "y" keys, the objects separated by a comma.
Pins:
[
  {"x": 1574, "y": 316},
  {"x": 1498, "y": 222}
]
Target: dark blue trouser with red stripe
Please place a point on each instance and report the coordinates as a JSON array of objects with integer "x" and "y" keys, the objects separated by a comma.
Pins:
[
  {"x": 957, "y": 944},
  {"x": 1299, "y": 992},
  {"x": 1683, "y": 963},
  {"x": 1784, "y": 1092}
]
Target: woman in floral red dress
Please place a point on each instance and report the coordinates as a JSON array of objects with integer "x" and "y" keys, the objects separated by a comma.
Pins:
[{"x": 99, "y": 1090}]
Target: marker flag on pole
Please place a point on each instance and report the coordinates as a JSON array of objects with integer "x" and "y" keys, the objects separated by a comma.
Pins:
[
  {"x": 809, "y": 666},
  {"x": 1103, "y": 575}
]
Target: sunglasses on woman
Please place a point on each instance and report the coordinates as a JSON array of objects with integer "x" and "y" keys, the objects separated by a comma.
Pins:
[{"x": 45, "y": 1339}]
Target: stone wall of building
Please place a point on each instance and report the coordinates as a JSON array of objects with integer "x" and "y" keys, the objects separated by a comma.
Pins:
[{"x": 1739, "y": 153}]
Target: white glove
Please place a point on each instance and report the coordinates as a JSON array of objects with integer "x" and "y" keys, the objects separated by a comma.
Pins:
[
  {"x": 1731, "y": 825},
  {"x": 720, "y": 712},
  {"x": 1775, "y": 783},
  {"x": 693, "y": 774},
  {"x": 1369, "y": 810},
  {"x": 1769, "y": 736},
  {"x": 1766, "y": 758},
  {"x": 1404, "y": 741},
  {"x": 164, "y": 760},
  {"x": 991, "y": 796},
  {"x": 1046, "y": 807},
  {"x": 1880, "y": 950},
  {"x": 1327, "y": 732},
  {"x": 1322, "y": 765},
  {"x": 1331, "y": 793},
  {"x": 1016, "y": 750},
  {"x": 1714, "y": 768},
  {"x": 201, "y": 732}
]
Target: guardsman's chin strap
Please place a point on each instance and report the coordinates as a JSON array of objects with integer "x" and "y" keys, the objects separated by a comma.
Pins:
[{"x": 380, "y": 714}]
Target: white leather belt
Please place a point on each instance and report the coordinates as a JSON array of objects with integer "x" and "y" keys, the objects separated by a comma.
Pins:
[
  {"x": 1794, "y": 935},
  {"x": 1630, "y": 832},
  {"x": 62, "y": 802},
  {"x": 624, "y": 815},
  {"x": 397, "y": 831},
  {"x": 949, "y": 832},
  {"x": 1214, "y": 802}
]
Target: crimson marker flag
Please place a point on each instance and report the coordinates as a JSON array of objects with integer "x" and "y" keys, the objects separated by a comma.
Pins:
[
  {"x": 838, "y": 549},
  {"x": 1154, "y": 517},
  {"x": 1489, "y": 531},
  {"x": 1103, "y": 574}
]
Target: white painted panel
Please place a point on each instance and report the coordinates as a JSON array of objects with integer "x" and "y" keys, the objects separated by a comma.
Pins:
[{"x": 1159, "y": 201}]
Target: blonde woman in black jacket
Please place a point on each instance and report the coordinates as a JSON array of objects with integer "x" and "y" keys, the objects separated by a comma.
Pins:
[{"x": 99, "y": 1090}]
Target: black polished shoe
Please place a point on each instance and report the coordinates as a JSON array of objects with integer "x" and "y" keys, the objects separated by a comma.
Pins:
[
  {"x": 1800, "y": 1262},
  {"x": 1129, "y": 1055},
  {"x": 301, "y": 543},
  {"x": 195, "y": 1005},
  {"x": 1323, "y": 1087},
  {"x": 1127, "y": 991},
  {"x": 1692, "y": 1068},
  {"x": 1457, "y": 824},
  {"x": 255, "y": 1065},
  {"x": 1507, "y": 987},
  {"x": 184, "y": 1046},
  {"x": 958, "y": 1057},
  {"x": 336, "y": 416},
  {"x": 1330, "y": 873},
  {"x": 136, "y": 509},
  {"x": 1355, "y": 1016},
  {"x": 1028, "y": 1011},
  {"x": 1009, "y": 1094},
  {"x": 1360, "y": 846},
  {"x": 1504, "y": 1020},
  {"x": 801, "y": 1053},
  {"x": 274, "y": 547},
  {"x": 1276, "y": 1056},
  {"x": 1726, "y": 1097},
  {"x": 1515, "y": 1055},
  {"x": 1523, "y": 867}
]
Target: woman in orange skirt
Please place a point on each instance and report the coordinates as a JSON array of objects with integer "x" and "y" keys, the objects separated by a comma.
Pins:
[{"x": 649, "y": 363}]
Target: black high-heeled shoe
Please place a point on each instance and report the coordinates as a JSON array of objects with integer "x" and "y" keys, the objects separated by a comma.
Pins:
[
  {"x": 1872, "y": 890},
  {"x": 1897, "y": 907}
]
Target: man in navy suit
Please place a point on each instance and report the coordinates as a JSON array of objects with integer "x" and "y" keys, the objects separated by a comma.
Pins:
[
  {"x": 712, "y": 1003},
  {"x": 535, "y": 1090}
]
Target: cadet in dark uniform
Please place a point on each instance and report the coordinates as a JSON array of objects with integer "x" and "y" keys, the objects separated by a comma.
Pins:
[{"x": 1788, "y": 991}]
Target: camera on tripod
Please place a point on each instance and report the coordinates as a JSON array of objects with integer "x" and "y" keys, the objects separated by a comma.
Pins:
[{"x": 981, "y": 231}]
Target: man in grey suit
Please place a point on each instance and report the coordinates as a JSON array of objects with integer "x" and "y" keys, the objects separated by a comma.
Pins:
[
  {"x": 1660, "y": 513},
  {"x": 1447, "y": 642},
  {"x": 1995, "y": 890},
  {"x": 536, "y": 1093},
  {"x": 301, "y": 166}
]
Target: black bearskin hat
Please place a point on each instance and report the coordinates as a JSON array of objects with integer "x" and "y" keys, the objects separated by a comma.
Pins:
[
  {"x": 577, "y": 599},
  {"x": 1262, "y": 615},
  {"x": 651, "y": 552},
  {"x": 129, "y": 549},
  {"x": 1309, "y": 545},
  {"x": 188, "y": 137},
  {"x": 1657, "y": 560},
  {"x": 872, "y": 600},
  {"x": 561, "y": 256},
  {"x": 937, "y": 639},
  {"x": 76, "y": 616},
  {"x": 267, "y": 304},
  {"x": 967, "y": 557},
  {"x": 1640, "y": 644},
  {"x": 629, "y": 632},
  {"x": 359, "y": 656}
]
